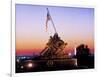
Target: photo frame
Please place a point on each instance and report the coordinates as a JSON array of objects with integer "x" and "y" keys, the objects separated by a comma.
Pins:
[{"x": 50, "y": 31}]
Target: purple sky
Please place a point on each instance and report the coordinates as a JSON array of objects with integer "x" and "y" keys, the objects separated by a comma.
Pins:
[{"x": 74, "y": 26}]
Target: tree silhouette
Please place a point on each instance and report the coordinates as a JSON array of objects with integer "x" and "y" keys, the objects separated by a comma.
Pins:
[{"x": 82, "y": 55}]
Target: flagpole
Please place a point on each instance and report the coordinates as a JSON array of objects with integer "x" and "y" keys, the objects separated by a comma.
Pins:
[
  {"x": 52, "y": 22},
  {"x": 53, "y": 25}
]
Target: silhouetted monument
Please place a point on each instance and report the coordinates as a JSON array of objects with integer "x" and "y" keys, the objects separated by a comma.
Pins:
[{"x": 54, "y": 48}]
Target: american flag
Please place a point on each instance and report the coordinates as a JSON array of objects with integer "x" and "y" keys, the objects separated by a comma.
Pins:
[{"x": 48, "y": 18}]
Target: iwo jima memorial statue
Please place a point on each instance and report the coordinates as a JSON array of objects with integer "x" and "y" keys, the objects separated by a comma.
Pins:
[
  {"x": 53, "y": 53},
  {"x": 52, "y": 57}
]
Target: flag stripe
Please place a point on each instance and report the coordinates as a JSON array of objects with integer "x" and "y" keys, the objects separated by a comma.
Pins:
[{"x": 48, "y": 18}]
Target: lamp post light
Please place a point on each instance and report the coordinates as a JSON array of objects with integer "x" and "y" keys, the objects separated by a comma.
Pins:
[{"x": 30, "y": 65}]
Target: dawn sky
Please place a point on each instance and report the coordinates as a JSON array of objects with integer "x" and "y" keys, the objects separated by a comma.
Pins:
[{"x": 74, "y": 25}]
